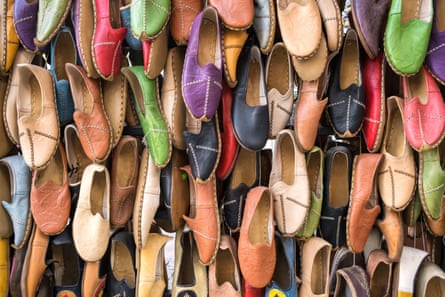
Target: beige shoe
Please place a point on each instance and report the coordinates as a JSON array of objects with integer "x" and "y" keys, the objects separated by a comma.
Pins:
[
  {"x": 430, "y": 281},
  {"x": 91, "y": 223}
]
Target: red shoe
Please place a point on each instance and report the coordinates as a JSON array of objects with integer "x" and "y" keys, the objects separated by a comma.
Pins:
[
  {"x": 107, "y": 38},
  {"x": 230, "y": 146},
  {"x": 250, "y": 291}
]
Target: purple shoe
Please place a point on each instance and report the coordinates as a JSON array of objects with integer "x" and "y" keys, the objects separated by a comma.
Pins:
[
  {"x": 435, "y": 57},
  {"x": 25, "y": 22},
  {"x": 202, "y": 73}
]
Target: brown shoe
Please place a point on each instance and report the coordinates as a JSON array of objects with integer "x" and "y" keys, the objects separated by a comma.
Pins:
[
  {"x": 181, "y": 19},
  {"x": 391, "y": 226},
  {"x": 379, "y": 268}
]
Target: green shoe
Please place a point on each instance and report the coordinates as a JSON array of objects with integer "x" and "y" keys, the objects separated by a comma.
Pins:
[
  {"x": 407, "y": 34},
  {"x": 149, "y": 17},
  {"x": 50, "y": 17},
  {"x": 314, "y": 161},
  {"x": 152, "y": 119}
]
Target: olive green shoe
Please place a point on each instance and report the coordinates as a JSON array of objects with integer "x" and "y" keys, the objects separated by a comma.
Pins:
[
  {"x": 149, "y": 17},
  {"x": 407, "y": 34},
  {"x": 50, "y": 17},
  {"x": 154, "y": 125}
]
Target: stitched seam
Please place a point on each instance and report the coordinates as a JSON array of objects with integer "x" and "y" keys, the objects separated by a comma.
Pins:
[
  {"x": 358, "y": 103},
  {"x": 206, "y": 100},
  {"x": 202, "y": 147},
  {"x": 404, "y": 173},
  {"x": 297, "y": 202},
  {"x": 203, "y": 235},
  {"x": 348, "y": 112},
  {"x": 336, "y": 103},
  {"x": 283, "y": 109},
  {"x": 435, "y": 48},
  {"x": 195, "y": 159},
  {"x": 46, "y": 135},
  {"x": 23, "y": 19},
  {"x": 158, "y": 6},
  {"x": 433, "y": 189}
]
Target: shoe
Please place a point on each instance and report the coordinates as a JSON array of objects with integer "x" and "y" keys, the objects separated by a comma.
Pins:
[
  {"x": 280, "y": 88},
  {"x": 91, "y": 222},
  {"x": 284, "y": 279},
  {"x": 147, "y": 199},
  {"x": 398, "y": 161},
  {"x": 287, "y": 178},
  {"x": 149, "y": 18},
  {"x": 250, "y": 115},
  {"x": 38, "y": 124},
  {"x": 265, "y": 24},
  {"x": 352, "y": 281},
  {"x": 437, "y": 227},
  {"x": 121, "y": 277},
  {"x": 202, "y": 73},
  {"x": 423, "y": 111},
  {"x": 346, "y": 104},
  {"x": 369, "y": 18},
  {"x": 189, "y": 276},
  {"x": 296, "y": 18},
  {"x": 15, "y": 274},
  {"x": 89, "y": 115},
  {"x": 10, "y": 43},
  {"x": 232, "y": 45},
  {"x": 171, "y": 96},
  {"x": 152, "y": 119},
  {"x": 330, "y": 12},
  {"x": 130, "y": 40},
  {"x": 363, "y": 204},
  {"x": 94, "y": 279},
  {"x": 4, "y": 266},
  {"x": 16, "y": 177},
  {"x": 235, "y": 15},
  {"x": 379, "y": 268},
  {"x": 315, "y": 277},
  {"x": 430, "y": 280},
  {"x": 51, "y": 16},
  {"x": 25, "y": 23},
  {"x": 181, "y": 19},
  {"x": 151, "y": 270},
  {"x": 336, "y": 195},
  {"x": 407, "y": 34},
  {"x": 312, "y": 68},
  {"x": 63, "y": 50},
  {"x": 154, "y": 54},
  {"x": 50, "y": 197},
  {"x": 256, "y": 244},
  {"x": 250, "y": 291},
  {"x": 6, "y": 145},
  {"x": 123, "y": 180},
  {"x": 391, "y": 225},
  {"x": 203, "y": 218},
  {"x": 434, "y": 56},
  {"x": 82, "y": 17}
]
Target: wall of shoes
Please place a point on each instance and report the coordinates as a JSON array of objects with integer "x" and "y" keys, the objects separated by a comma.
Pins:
[{"x": 230, "y": 148}]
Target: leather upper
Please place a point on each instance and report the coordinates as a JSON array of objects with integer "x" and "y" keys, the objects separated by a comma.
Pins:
[
  {"x": 379, "y": 268},
  {"x": 149, "y": 18},
  {"x": 154, "y": 54},
  {"x": 354, "y": 279},
  {"x": 436, "y": 49},
  {"x": 406, "y": 273},
  {"x": 429, "y": 274},
  {"x": 181, "y": 19},
  {"x": 235, "y": 14},
  {"x": 25, "y": 22},
  {"x": 332, "y": 23},
  {"x": 233, "y": 43},
  {"x": 314, "y": 67},
  {"x": 10, "y": 41},
  {"x": 131, "y": 40},
  {"x": 391, "y": 227},
  {"x": 47, "y": 27},
  {"x": 265, "y": 23}
]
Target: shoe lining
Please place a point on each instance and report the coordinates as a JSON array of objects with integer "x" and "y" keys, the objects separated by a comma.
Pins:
[
  {"x": 64, "y": 53},
  {"x": 435, "y": 287},
  {"x": 126, "y": 161},
  {"x": 66, "y": 267},
  {"x": 207, "y": 38},
  {"x": 53, "y": 172},
  {"x": 417, "y": 87},
  {"x": 122, "y": 264},
  {"x": 5, "y": 183},
  {"x": 244, "y": 167},
  {"x": 319, "y": 273},
  {"x": 282, "y": 271},
  {"x": 159, "y": 272},
  {"x": 313, "y": 170},
  {"x": 259, "y": 231},
  {"x": 36, "y": 98},
  {"x": 287, "y": 160},
  {"x": 396, "y": 140},
  {"x": 115, "y": 14},
  {"x": 380, "y": 282},
  {"x": 339, "y": 184},
  {"x": 186, "y": 275},
  {"x": 440, "y": 15},
  {"x": 349, "y": 68},
  {"x": 98, "y": 194},
  {"x": 278, "y": 76},
  {"x": 410, "y": 10},
  {"x": 225, "y": 268}
]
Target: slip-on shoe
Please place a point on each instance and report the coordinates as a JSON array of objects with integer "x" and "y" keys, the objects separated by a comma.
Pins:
[
  {"x": 379, "y": 268},
  {"x": 352, "y": 281},
  {"x": 181, "y": 19},
  {"x": 430, "y": 280},
  {"x": 51, "y": 16},
  {"x": 10, "y": 41},
  {"x": 25, "y": 23},
  {"x": 232, "y": 45},
  {"x": 234, "y": 14},
  {"x": 436, "y": 49},
  {"x": 265, "y": 24},
  {"x": 391, "y": 225},
  {"x": 154, "y": 54},
  {"x": 149, "y": 18}
]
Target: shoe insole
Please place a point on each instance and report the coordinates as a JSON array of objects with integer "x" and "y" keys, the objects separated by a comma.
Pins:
[
  {"x": 440, "y": 15},
  {"x": 319, "y": 272},
  {"x": 313, "y": 171},
  {"x": 282, "y": 270},
  {"x": 413, "y": 9},
  {"x": 126, "y": 161},
  {"x": 380, "y": 281},
  {"x": 64, "y": 52},
  {"x": 259, "y": 231},
  {"x": 287, "y": 163},
  {"x": 435, "y": 287},
  {"x": 186, "y": 275},
  {"x": 225, "y": 268},
  {"x": 5, "y": 184},
  {"x": 255, "y": 95},
  {"x": 207, "y": 38},
  {"x": 115, "y": 14},
  {"x": 66, "y": 267},
  {"x": 121, "y": 263},
  {"x": 278, "y": 76},
  {"x": 245, "y": 169},
  {"x": 53, "y": 172},
  {"x": 339, "y": 181},
  {"x": 396, "y": 140},
  {"x": 417, "y": 87},
  {"x": 98, "y": 194},
  {"x": 349, "y": 67}
]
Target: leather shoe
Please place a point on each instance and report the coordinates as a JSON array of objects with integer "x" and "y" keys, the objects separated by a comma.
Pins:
[
  {"x": 50, "y": 17},
  {"x": 232, "y": 45},
  {"x": 265, "y": 24},
  {"x": 149, "y": 18},
  {"x": 235, "y": 14},
  {"x": 181, "y": 19},
  {"x": 436, "y": 51},
  {"x": 10, "y": 41}
]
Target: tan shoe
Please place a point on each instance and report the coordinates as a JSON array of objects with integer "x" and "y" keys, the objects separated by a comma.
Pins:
[
  {"x": 332, "y": 22},
  {"x": 314, "y": 67},
  {"x": 391, "y": 226},
  {"x": 93, "y": 279}
]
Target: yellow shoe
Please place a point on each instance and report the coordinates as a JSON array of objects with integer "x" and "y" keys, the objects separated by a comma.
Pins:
[{"x": 4, "y": 266}]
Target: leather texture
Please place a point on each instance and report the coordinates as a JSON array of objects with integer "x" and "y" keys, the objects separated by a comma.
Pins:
[
  {"x": 25, "y": 22},
  {"x": 407, "y": 270},
  {"x": 202, "y": 72},
  {"x": 336, "y": 195},
  {"x": 175, "y": 194},
  {"x": 224, "y": 275},
  {"x": 93, "y": 279},
  {"x": 300, "y": 26},
  {"x": 423, "y": 111},
  {"x": 437, "y": 227},
  {"x": 89, "y": 114},
  {"x": 287, "y": 178},
  {"x": 346, "y": 103},
  {"x": 75, "y": 155},
  {"x": 236, "y": 15},
  {"x": 123, "y": 180},
  {"x": 256, "y": 244},
  {"x": 436, "y": 49},
  {"x": 10, "y": 40},
  {"x": 149, "y": 18},
  {"x": 407, "y": 33},
  {"x": 379, "y": 268},
  {"x": 181, "y": 19},
  {"x": 47, "y": 27},
  {"x": 50, "y": 197},
  {"x": 38, "y": 124},
  {"x": 391, "y": 226},
  {"x": 203, "y": 218},
  {"x": 154, "y": 54},
  {"x": 172, "y": 100},
  {"x": 364, "y": 201},
  {"x": 265, "y": 23},
  {"x": 204, "y": 149},
  {"x": 312, "y": 68},
  {"x": 63, "y": 50},
  {"x": 4, "y": 266},
  {"x": 280, "y": 88},
  {"x": 151, "y": 116},
  {"x": 352, "y": 279},
  {"x": 332, "y": 22},
  {"x": 315, "y": 259},
  {"x": 147, "y": 199},
  {"x": 398, "y": 163},
  {"x": 6, "y": 145},
  {"x": 232, "y": 42},
  {"x": 370, "y": 18},
  {"x": 16, "y": 177},
  {"x": 130, "y": 40},
  {"x": 430, "y": 280},
  {"x": 108, "y": 36},
  {"x": 91, "y": 222},
  {"x": 82, "y": 16},
  {"x": 250, "y": 115}
]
